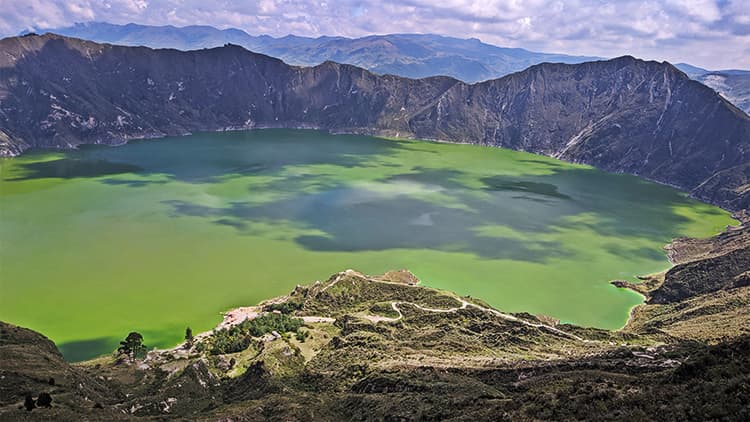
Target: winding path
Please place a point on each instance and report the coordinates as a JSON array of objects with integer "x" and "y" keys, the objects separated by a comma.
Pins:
[
  {"x": 238, "y": 315},
  {"x": 464, "y": 304}
]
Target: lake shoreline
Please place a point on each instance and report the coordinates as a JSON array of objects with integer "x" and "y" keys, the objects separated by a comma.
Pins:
[{"x": 237, "y": 315}]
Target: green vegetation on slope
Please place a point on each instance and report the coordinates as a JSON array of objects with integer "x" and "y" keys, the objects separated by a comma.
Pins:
[{"x": 239, "y": 337}]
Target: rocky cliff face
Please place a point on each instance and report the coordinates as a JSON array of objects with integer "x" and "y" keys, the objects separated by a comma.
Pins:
[{"x": 623, "y": 115}]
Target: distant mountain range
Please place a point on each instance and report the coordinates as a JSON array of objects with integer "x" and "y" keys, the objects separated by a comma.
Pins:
[
  {"x": 733, "y": 84},
  {"x": 622, "y": 115},
  {"x": 408, "y": 55}
]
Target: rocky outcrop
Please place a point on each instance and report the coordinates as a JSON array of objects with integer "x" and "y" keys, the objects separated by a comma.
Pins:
[
  {"x": 31, "y": 365},
  {"x": 730, "y": 187},
  {"x": 704, "y": 297},
  {"x": 704, "y": 276},
  {"x": 705, "y": 266},
  {"x": 622, "y": 115},
  {"x": 685, "y": 249}
]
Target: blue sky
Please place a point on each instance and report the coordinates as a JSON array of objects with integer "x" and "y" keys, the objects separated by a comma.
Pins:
[{"x": 709, "y": 33}]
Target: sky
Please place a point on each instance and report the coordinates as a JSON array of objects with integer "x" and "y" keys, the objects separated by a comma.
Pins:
[{"x": 714, "y": 34}]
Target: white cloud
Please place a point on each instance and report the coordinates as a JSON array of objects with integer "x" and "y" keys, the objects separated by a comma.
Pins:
[
  {"x": 709, "y": 33},
  {"x": 703, "y": 10}
]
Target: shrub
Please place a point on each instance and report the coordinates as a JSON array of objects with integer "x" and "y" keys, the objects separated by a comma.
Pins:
[
  {"x": 29, "y": 402},
  {"x": 44, "y": 400},
  {"x": 189, "y": 339},
  {"x": 229, "y": 340},
  {"x": 284, "y": 307},
  {"x": 266, "y": 323}
]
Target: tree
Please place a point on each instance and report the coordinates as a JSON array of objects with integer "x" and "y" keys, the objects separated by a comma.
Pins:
[
  {"x": 29, "y": 403},
  {"x": 44, "y": 400},
  {"x": 189, "y": 339},
  {"x": 132, "y": 345}
]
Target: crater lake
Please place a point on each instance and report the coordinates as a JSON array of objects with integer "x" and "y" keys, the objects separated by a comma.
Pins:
[{"x": 158, "y": 235}]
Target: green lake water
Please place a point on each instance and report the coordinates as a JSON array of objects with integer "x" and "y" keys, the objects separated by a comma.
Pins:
[{"x": 162, "y": 234}]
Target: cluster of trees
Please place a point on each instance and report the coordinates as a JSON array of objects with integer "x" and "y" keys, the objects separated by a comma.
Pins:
[
  {"x": 267, "y": 323},
  {"x": 132, "y": 346},
  {"x": 239, "y": 337},
  {"x": 44, "y": 400},
  {"x": 228, "y": 340},
  {"x": 285, "y": 307}
]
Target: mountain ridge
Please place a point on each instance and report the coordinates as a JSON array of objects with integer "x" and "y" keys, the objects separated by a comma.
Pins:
[
  {"x": 403, "y": 54},
  {"x": 622, "y": 115}
]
